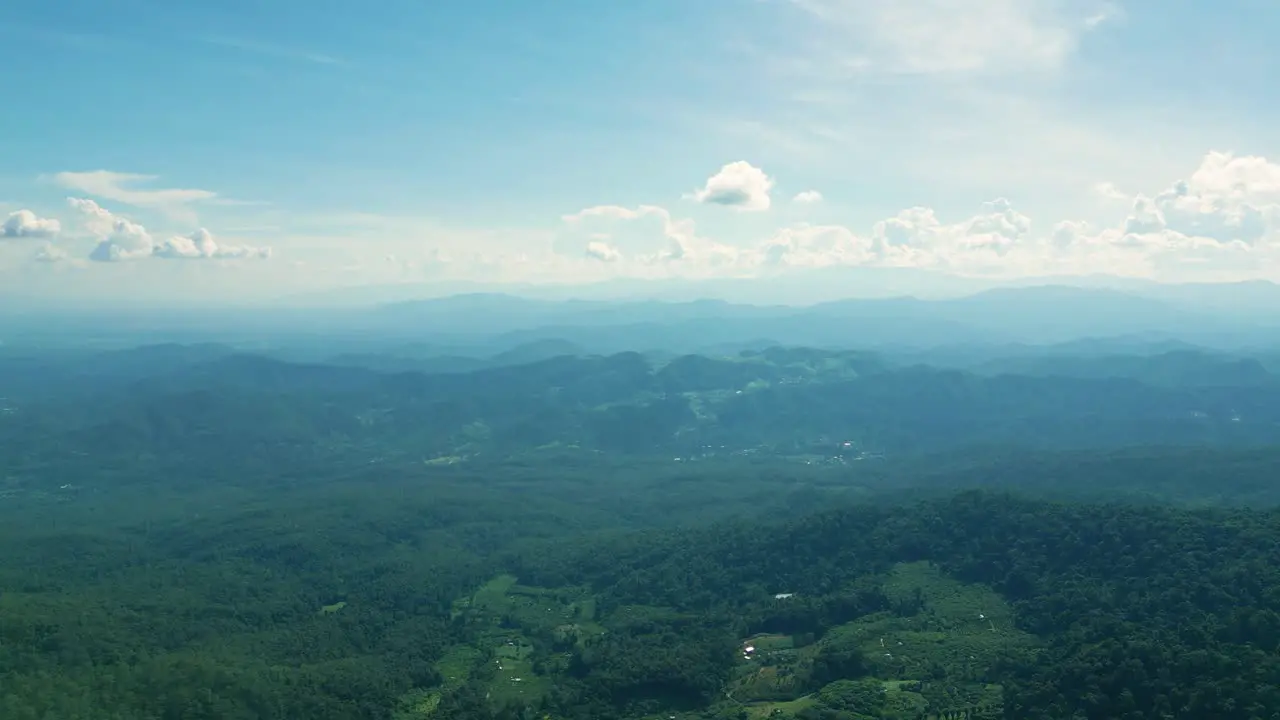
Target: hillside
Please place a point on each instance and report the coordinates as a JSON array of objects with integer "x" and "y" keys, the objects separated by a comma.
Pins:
[
  {"x": 803, "y": 404},
  {"x": 206, "y": 533}
]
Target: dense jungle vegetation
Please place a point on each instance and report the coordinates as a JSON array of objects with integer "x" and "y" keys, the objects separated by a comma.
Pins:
[{"x": 191, "y": 532}]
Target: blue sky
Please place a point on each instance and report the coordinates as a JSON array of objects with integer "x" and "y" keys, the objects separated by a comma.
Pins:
[{"x": 240, "y": 150}]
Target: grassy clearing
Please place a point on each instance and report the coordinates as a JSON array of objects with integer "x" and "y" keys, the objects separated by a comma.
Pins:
[
  {"x": 959, "y": 634},
  {"x": 948, "y": 648},
  {"x": 456, "y": 666},
  {"x": 787, "y": 708},
  {"x": 934, "y": 661},
  {"x": 332, "y": 609},
  {"x": 771, "y": 643},
  {"x": 417, "y": 705},
  {"x": 949, "y": 603},
  {"x": 493, "y": 594},
  {"x": 538, "y": 609},
  {"x": 505, "y": 615},
  {"x": 774, "y": 671},
  {"x": 514, "y": 679},
  {"x": 902, "y": 701}
]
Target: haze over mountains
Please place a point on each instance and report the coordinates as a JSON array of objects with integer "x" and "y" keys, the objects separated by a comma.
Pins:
[
  {"x": 662, "y": 360},
  {"x": 1219, "y": 316},
  {"x": 489, "y": 507},
  {"x": 803, "y": 287}
]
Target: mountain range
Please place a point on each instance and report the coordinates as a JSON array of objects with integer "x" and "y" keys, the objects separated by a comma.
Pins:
[{"x": 1223, "y": 317}]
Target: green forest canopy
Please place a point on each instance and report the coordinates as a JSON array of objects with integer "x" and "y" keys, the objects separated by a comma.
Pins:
[{"x": 249, "y": 539}]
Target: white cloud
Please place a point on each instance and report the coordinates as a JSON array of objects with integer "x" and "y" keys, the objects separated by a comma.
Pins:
[
  {"x": 96, "y": 216},
  {"x": 815, "y": 246},
  {"x": 200, "y": 245},
  {"x": 1247, "y": 178},
  {"x": 1226, "y": 214},
  {"x": 1221, "y": 217},
  {"x": 998, "y": 227},
  {"x": 123, "y": 188},
  {"x": 603, "y": 251},
  {"x": 910, "y": 228},
  {"x": 1228, "y": 199},
  {"x": 917, "y": 237},
  {"x": 997, "y": 240},
  {"x": 645, "y": 236},
  {"x": 26, "y": 224},
  {"x": 952, "y": 36},
  {"x": 1069, "y": 233},
  {"x": 120, "y": 239},
  {"x": 739, "y": 185},
  {"x": 808, "y": 197},
  {"x": 126, "y": 241}
]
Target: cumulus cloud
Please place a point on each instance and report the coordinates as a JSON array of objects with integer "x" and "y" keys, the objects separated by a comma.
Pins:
[
  {"x": 1223, "y": 216},
  {"x": 739, "y": 185},
  {"x": 26, "y": 224},
  {"x": 808, "y": 197},
  {"x": 97, "y": 219},
  {"x": 1196, "y": 221},
  {"x": 1069, "y": 233},
  {"x": 126, "y": 241},
  {"x": 196, "y": 245},
  {"x": 121, "y": 239},
  {"x": 917, "y": 237},
  {"x": 1247, "y": 178},
  {"x": 645, "y": 235},
  {"x": 603, "y": 251},
  {"x": 910, "y": 228},
  {"x": 201, "y": 245},
  {"x": 1228, "y": 200},
  {"x": 815, "y": 246},
  {"x": 1223, "y": 212},
  {"x": 997, "y": 227}
]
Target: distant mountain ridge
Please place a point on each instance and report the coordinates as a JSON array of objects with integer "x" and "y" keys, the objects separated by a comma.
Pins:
[
  {"x": 793, "y": 401},
  {"x": 1037, "y": 315},
  {"x": 816, "y": 286},
  {"x": 483, "y": 325}
]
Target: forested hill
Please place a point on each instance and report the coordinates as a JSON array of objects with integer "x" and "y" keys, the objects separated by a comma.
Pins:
[
  {"x": 343, "y": 604},
  {"x": 1097, "y": 611},
  {"x": 199, "y": 533},
  {"x": 183, "y": 403}
]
